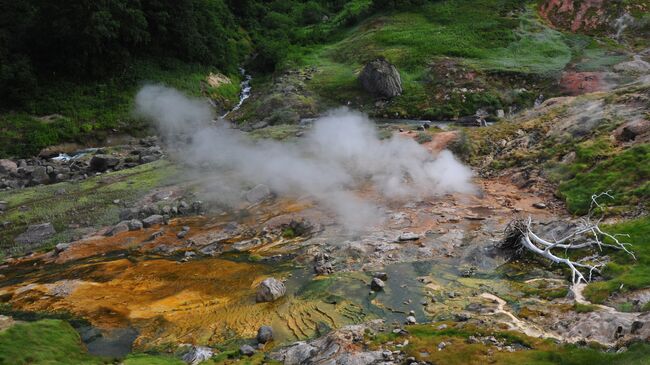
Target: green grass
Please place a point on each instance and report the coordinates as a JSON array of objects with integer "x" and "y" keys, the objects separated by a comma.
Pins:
[
  {"x": 90, "y": 201},
  {"x": 87, "y": 111},
  {"x": 626, "y": 175},
  {"x": 480, "y": 36},
  {"x": 146, "y": 359},
  {"x": 45, "y": 342},
  {"x": 624, "y": 273}
]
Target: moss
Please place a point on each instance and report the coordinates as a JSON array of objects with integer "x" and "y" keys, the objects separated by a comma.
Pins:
[
  {"x": 47, "y": 341},
  {"x": 584, "y": 308}
]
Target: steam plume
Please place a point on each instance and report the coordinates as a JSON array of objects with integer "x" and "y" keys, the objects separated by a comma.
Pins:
[{"x": 338, "y": 155}]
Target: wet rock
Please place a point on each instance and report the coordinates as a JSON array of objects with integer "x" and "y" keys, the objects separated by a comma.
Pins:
[
  {"x": 247, "y": 350},
  {"x": 156, "y": 235},
  {"x": 101, "y": 163},
  {"x": 153, "y": 220},
  {"x": 36, "y": 233},
  {"x": 323, "y": 264},
  {"x": 379, "y": 77},
  {"x": 197, "y": 354},
  {"x": 410, "y": 320},
  {"x": 258, "y": 194},
  {"x": 264, "y": 334},
  {"x": 270, "y": 290},
  {"x": 135, "y": 225},
  {"x": 118, "y": 228},
  {"x": 377, "y": 284},
  {"x": 408, "y": 236}
]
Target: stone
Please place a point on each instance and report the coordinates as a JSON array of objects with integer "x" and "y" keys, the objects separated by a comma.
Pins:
[
  {"x": 631, "y": 130},
  {"x": 408, "y": 236},
  {"x": 381, "y": 276},
  {"x": 442, "y": 346},
  {"x": 36, "y": 233},
  {"x": 101, "y": 163},
  {"x": 411, "y": 320},
  {"x": 60, "y": 247},
  {"x": 247, "y": 350},
  {"x": 129, "y": 213},
  {"x": 180, "y": 235},
  {"x": 197, "y": 355},
  {"x": 8, "y": 167},
  {"x": 501, "y": 113},
  {"x": 270, "y": 290},
  {"x": 539, "y": 205},
  {"x": 379, "y": 77},
  {"x": 153, "y": 220},
  {"x": 258, "y": 194},
  {"x": 377, "y": 284},
  {"x": 3, "y": 205},
  {"x": 39, "y": 175},
  {"x": 135, "y": 225},
  {"x": 265, "y": 334},
  {"x": 118, "y": 228},
  {"x": 636, "y": 326}
]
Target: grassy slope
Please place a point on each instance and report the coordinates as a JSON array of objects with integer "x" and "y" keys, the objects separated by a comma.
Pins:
[
  {"x": 92, "y": 109},
  {"x": 45, "y": 342},
  {"x": 481, "y": 35},
  {"x": 88, "y": 202}
]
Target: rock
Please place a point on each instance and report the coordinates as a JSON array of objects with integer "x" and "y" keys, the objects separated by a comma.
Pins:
[
  {"x": 539, "y": 205},
  {"x": 3, "y": 206},
  {"x": 197, "y": 355},
  {"x": 180, "y": 235},
  {"x": 8, "y": 167},
  {"x": 135, "y": 225},
  {"x": 156, "y": 235},
  {"x": 258, "y": 194},
  {"x": 322, "y": 264},
  {"x": 462, "y": 317},
  {"x": 247, "y": 350},
  {"x": 377, "y": 284},
  {"x": 501, "y": 113},
  {"x": 636, "y": 326},
  {"x": 36, "y": 233},
  {"x": 381, "y": 276},
  {"x": 60, "y": 247},
  {"x": 129, "y": 213},
  {"x": 101, "y": 163},
  {"x": 411, "y": 320},
  {"x": 153, "y": 220},
  {"x": 118, "y": 228},
  {"x": 380, "y": 77},
  {"x": 270, "y": 290},
  {"x": 39, "y": 175},
  {"x": 631, "y": 130},
  {"x": 442, "y": 327},
  {"x": 265, "y": 334},
  {"x": 408, "y": 236},
  {"x": 441, "y": 346}
]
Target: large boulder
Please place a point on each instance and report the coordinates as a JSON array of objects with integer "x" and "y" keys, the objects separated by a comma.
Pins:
[
  {"x": 381, "y": 78},
  {"x": 631, "y": 130},
  {"x": 270, "y": 290},
  {"x": 36, "y": 233},
  {"x": 258, "y": 194},
  {"x": 8, "y": 167},
  {"x": 265, "y": 334},
  {"x": 101, "y": 163},
  {"x": 197, "y": 355}
]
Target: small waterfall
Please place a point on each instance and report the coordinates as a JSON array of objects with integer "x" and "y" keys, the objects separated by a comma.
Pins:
[
  {"x": 621, "y": 24},
  {"x": 245, "y": 91}
]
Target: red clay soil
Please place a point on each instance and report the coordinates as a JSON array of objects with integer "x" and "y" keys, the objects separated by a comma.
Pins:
[{"x": 578, "y": 83}]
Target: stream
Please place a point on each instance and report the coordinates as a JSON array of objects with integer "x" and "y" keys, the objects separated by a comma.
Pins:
[{"x": 245, "y": 92}]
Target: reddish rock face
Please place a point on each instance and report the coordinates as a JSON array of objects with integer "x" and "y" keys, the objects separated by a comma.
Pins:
[
  {"x": 578, "y": 83},
  {"x": 585, "y": 15}
]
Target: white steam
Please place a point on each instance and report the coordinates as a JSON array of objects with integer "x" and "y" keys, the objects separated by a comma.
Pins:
[{"x": 336, "y": 157}]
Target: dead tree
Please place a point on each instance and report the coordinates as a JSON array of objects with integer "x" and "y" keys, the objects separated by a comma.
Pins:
[{"x": 520, "y": 238}]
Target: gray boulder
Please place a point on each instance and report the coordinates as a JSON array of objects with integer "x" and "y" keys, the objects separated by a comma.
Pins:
[
  {"x": 39, "y": 175},
  {"x": 631, "y": 130},
  {"x": 36, "y": 233},
  {"x": 118, "y": 228},
  {"x": 379, "y": 77},
  {"x": 153, "y": 220},
  {"x": 101, "y": 163},
  {"x": 247, "y": 350},
  {"x": 8, "y": 167},
  {"x": 265, "y": 334},
  {"x": 270, "y": 290},
  {"x": 135, "y": 225}
]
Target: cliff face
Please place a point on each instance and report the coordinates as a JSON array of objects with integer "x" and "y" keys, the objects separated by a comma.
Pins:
[{"x": 589, "y": 15}]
